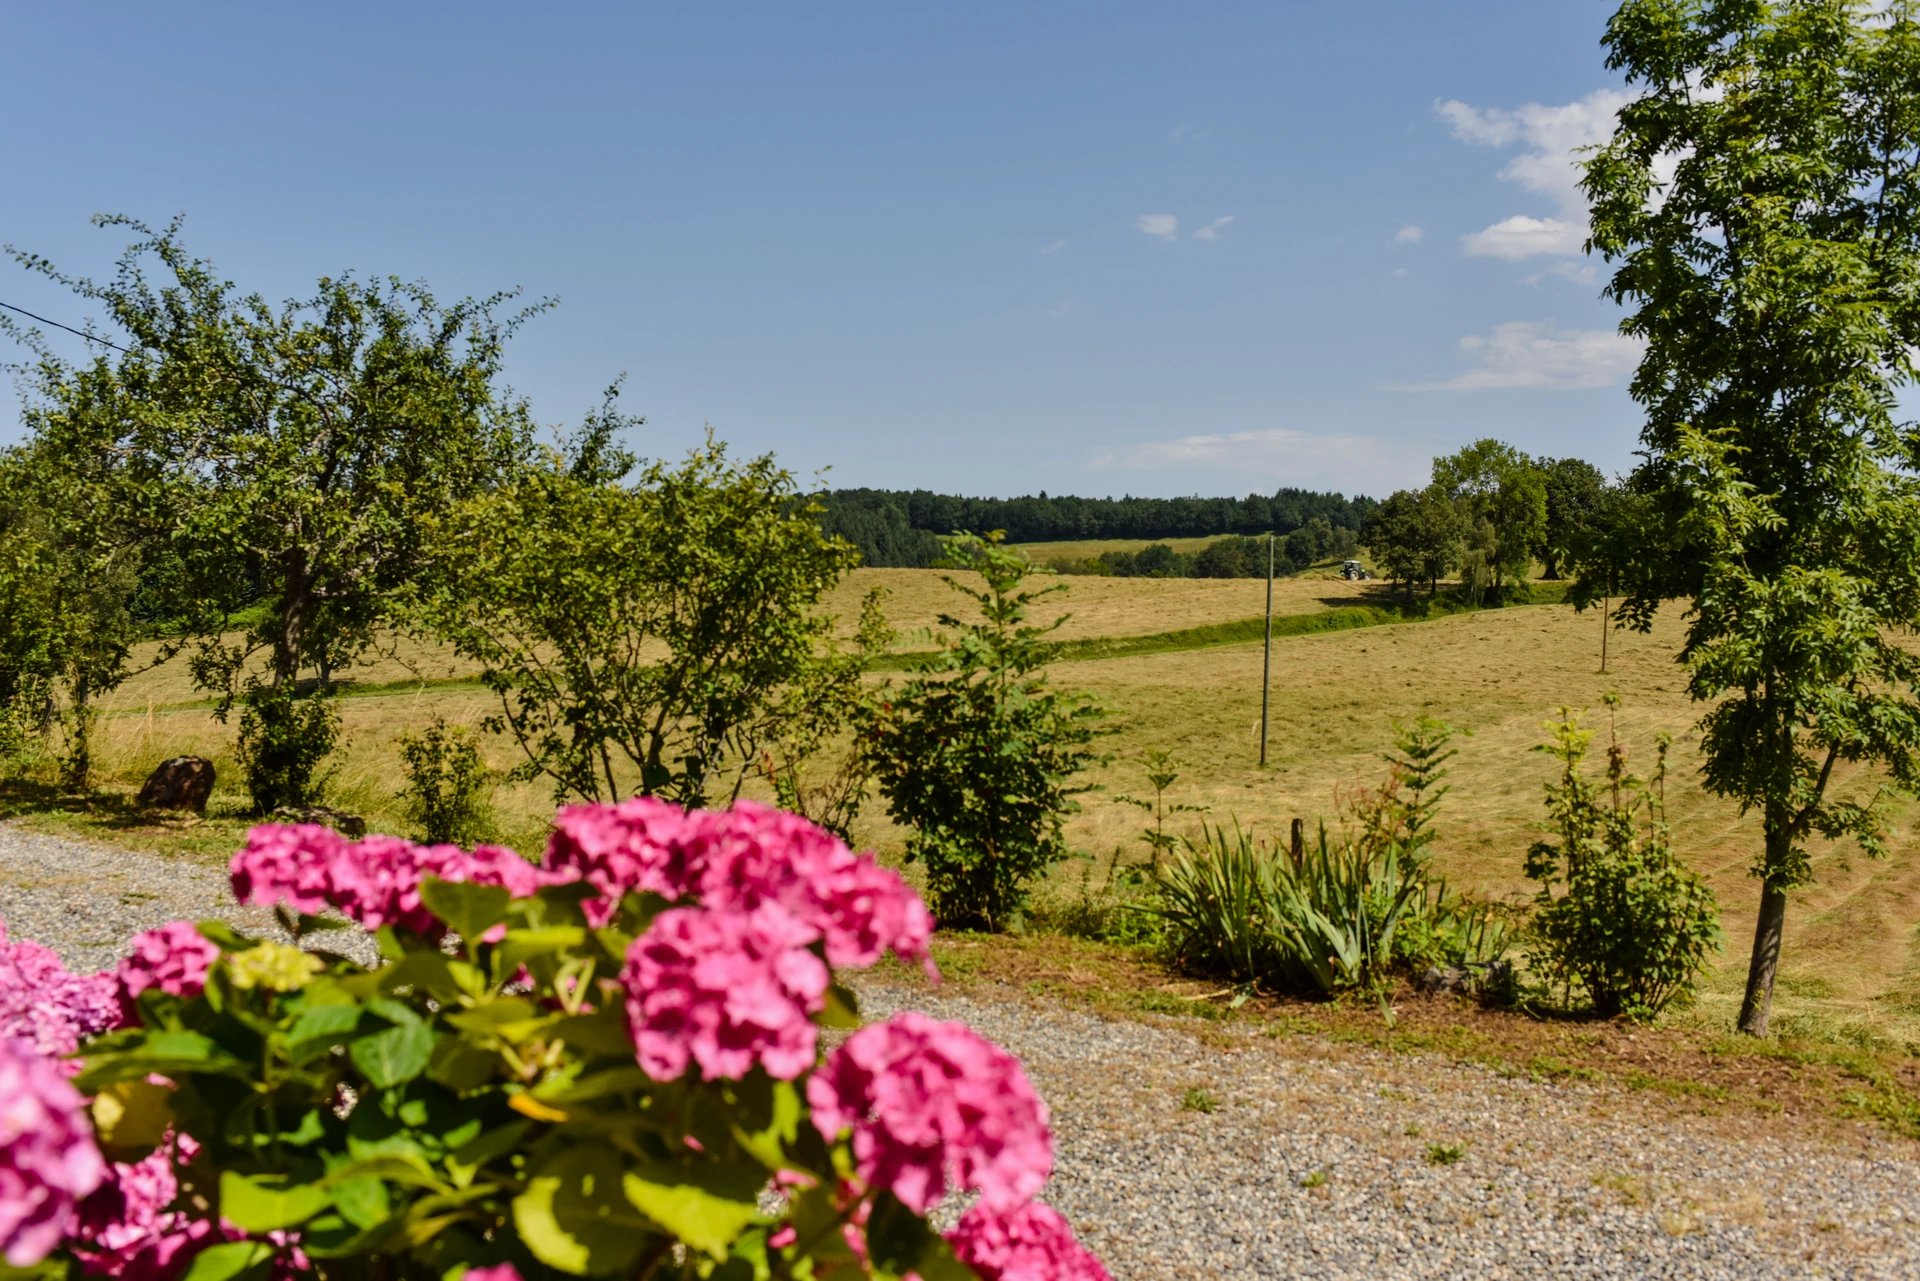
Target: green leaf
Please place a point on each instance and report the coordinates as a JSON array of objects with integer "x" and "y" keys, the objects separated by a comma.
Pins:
[
  {"x": 615, "y": 1080},
  {"x": 264, "y": 1204},
  {"x": 706, "y": 1205},
  {"x": 223, "y": 1262},
  {"x": 602, "y": 1032},
  {"x": 460, "y": 1065},
  {"x": 574, "y": 1216},
  {"x": 521, "y": 946},
  {"x": 902, "y": 1242},
  {"x": 471, "y": 910},
  {"x": 394, "y": 1056},
  {"x": 505, "y": 1009},
  {"x": 391, "y": 1167},
  {"x": 843, "y": 1008},
  {"x": 169, "y": 1054},
  {"x": 465, "y": 1161},
  {"x": 319, "y": 1028},
  {"x": 780, "y": 1124},
  {"x": 363, "y": 1202}
]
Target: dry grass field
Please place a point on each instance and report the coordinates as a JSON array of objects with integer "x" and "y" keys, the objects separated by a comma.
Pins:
[
  {"x": 1850, "y": 963},
  {"x": 1079, "y": 549}
]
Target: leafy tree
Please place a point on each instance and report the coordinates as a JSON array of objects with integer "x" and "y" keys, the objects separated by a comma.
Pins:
[
  {"x": 1634, "y": 926},
  {"x": 1231, "y": 557},
  {"x": 68, "y": 570},
  {"x": 1502, "y": 497},
  {"x": 299, "y": 447},
  {"x": 1415, "y": 536},
  {"x": 1771, "y": 277},
  {"x": 651, "y": 638},
  {"x": 1576, "y": 495},
  {"x": 977, "y": 757}
]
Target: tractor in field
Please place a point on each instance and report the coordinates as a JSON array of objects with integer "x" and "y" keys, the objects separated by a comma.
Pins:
[{"x": 1353, "y": 569}]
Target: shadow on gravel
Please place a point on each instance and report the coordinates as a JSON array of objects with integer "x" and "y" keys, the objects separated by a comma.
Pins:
[{"x": 109, "y": 816}]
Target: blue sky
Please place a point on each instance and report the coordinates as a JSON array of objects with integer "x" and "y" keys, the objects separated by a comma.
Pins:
[{"x": 988, "y": 248}]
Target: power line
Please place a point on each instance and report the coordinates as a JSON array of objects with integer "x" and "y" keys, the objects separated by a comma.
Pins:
[{"x": 69, "y": 328}]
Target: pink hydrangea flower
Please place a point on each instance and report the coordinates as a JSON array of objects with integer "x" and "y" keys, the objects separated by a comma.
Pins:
[
  {"x": 126, "y": 1228},
  {"x": 173, "y": 958},
  {"x": 46, "y": 1007},
  {"x": 726, "y": 989},
  {"x": 375, "y": 881},
  {"x": 740, "y": 858},
  {"x": 1032, "y": 1243},
  {"x": 498, "y": 1272},
  {"x": 287, "y": 863},
  {"x": 754, "y": 853},
  {"x": 638, "y": 844},
  {"x": 48, "y": 1160},
  {"x": 931, "y": 1104}
]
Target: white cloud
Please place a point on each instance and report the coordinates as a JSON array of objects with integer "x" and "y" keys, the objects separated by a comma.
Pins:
[
  {"x": 1277, "y": 448},
  {"x": 1548, "y": 166},
  {"x": 1522, "y": 353},
  {"x": 1062, "y": 308},
  {"x": 1578, "y": 272},
  {"x": 1212, "y": 230},
  {"x": 1055, "y": 247},
  {"x": 1399, "y": 272},
  {"x": 1409, "y": 235},
  {"x": 1523, "y": 237},
  {"x": 1165, "y": 226}
]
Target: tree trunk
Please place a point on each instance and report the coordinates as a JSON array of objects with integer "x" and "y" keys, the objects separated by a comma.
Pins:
[
  {"x": 296, "y": 610},
  {"x": 76, "y": 770},
  {"x": 1758, "y": 1004}
]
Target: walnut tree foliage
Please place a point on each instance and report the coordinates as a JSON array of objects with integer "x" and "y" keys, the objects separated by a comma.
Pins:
[{"x": 1760, "y": 202}]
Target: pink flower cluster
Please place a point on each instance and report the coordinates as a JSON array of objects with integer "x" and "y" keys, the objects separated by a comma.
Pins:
[
  {"x": 725, "y": 988},
  {"x": 934, "y": 1104},
  {"x": 738, "y": 859},
  {"x": 174, "y": 958},
  {"x": 48, "y": 1160},
  {"x": 734, "y": 981},
  {"x": 126, "y": 1228},
  {"x": 375, "y": 881},
  {"x": 1032, "y": 1243},
  {"x": 48, "y": 1008}
]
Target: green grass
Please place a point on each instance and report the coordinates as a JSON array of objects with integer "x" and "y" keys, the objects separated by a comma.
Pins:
[{"x": 1245, "y": 630}]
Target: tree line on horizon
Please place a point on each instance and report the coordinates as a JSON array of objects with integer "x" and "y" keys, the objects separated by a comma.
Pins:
[{"x": 902, "y": 528}]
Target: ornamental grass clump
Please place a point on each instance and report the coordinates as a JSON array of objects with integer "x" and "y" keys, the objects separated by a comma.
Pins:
[
  {"x": 1346, "y": 911},
  {"x": 607, "y": 1064}
]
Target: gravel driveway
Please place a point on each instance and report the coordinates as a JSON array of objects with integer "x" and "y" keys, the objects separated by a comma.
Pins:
[{"x": 1308, "y": 1166}]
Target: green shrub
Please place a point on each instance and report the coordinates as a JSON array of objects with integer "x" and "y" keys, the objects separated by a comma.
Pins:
[
  {"x": 977, "y": 757},
  {"x": 283, "y": 743},
  {"x": 1337, "y": 914},
  {"x": 449, "y": 788},
  {"x": 1633, "y": 927}
]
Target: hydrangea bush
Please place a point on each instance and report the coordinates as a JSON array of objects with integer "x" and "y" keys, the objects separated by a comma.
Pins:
[{"x": 605, "y": 1065}]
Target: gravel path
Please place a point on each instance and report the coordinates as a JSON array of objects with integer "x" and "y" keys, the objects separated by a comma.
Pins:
[
  {"x": 1309, "y": 1166},
  {"x": 85, "y": 901},
  {"x": 1315, "y": 1167}
]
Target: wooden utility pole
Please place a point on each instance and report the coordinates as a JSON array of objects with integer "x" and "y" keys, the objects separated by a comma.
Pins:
[
  {"x": 1606, "y": 607},
  {"x": 1266, "y": 663}
]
